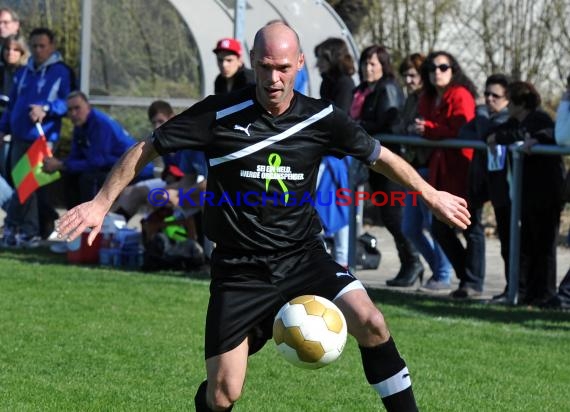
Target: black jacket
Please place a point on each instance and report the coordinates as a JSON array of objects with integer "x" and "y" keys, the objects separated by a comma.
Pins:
[
  {"x": 483, "y": 184},
  {"x": 338, "y": 90},
  {"x": 542, "y": 175},
  {"x": 381, "y": 109},
  {"x": 243, "y": 77}
]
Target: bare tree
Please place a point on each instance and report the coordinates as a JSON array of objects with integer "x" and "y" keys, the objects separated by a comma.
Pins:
[
  {"x": 403, "y": 26},
  {"x": 560, "y": 37},
  {"x": 350, "y": 11},
  {"x": 527, "y": 39},
  {"x": 517, "y": 37}
]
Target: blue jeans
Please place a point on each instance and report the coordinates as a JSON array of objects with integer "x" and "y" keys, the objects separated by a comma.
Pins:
[
  {"x": 467, "y": 261},
  {"x": 415, "y": 220}
]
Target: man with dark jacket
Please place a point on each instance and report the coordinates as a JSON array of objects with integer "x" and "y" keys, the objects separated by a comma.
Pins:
[{"x": 233, "y": 74}]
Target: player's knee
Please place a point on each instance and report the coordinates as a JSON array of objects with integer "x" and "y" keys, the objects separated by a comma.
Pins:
[{"x": 372, "y": 329}]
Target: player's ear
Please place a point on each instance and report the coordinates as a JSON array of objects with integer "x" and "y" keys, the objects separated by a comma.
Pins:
[{"x": 301, "y": 61}]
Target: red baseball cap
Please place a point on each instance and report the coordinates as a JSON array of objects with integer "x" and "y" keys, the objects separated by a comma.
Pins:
[
  {"x": 230, "y": 45},
  {"x": 175, "y": 171}
]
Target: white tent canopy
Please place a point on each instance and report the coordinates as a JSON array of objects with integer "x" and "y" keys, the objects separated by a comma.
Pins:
[{"x": 211, "y": 20}]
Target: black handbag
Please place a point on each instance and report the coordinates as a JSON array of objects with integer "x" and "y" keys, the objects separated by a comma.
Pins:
[{"x": 367, "y": 254}]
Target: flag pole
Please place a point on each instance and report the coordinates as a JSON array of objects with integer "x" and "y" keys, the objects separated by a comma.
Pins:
[{"x": 40, "y": 130}]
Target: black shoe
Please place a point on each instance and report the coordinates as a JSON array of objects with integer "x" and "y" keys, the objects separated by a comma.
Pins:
[
  {"x": 501, "y": 299},
  {"x": 500, "y": 295},
  {"x": 465, "y": 292},
  {"x": 555, "y": 303},
  {"x": 408, "y": 275}
]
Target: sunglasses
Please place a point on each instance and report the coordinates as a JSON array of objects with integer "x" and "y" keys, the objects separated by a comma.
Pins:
[
  {"x": 442, "y": 67},
  {"x": 495, "y": 95}
]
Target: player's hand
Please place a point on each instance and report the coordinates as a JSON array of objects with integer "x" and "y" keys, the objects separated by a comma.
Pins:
[
  {"x": 451, "y": 210},
  {"x": 75, "y": 221}
]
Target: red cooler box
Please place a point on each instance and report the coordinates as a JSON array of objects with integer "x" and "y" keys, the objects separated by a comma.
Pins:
[{"x": 79, "y": 251}]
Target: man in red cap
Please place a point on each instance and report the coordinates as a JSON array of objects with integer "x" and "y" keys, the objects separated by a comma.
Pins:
[{"x": 233, "y": 74}]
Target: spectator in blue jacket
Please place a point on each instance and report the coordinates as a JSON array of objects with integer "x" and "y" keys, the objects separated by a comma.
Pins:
[
  {"x": 37, "y": 96},
  {"x": 98, "y": 142},
  {"x": 135, "y": 197}
]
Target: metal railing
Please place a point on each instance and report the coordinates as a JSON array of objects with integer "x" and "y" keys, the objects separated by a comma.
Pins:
[{"x": 517, "y": 156}]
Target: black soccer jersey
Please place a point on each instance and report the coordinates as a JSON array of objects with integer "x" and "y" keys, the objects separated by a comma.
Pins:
[{"x": 262, "y": 170}]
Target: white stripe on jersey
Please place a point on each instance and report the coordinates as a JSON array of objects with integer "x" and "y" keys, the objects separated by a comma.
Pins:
[
  {"x": 273, "y": 139},
  {"x": 354, "y": 285},
  {"x": 232, "y": 109}
]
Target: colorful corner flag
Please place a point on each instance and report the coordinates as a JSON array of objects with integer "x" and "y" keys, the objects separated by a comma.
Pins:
[{"x": 28, "y": 174}]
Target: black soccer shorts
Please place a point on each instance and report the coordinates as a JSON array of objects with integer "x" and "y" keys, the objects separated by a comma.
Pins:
[{"x": 247, "y": 291}]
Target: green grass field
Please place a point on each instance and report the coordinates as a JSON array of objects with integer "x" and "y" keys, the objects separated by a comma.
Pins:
[{"x": 88, "y": 339}]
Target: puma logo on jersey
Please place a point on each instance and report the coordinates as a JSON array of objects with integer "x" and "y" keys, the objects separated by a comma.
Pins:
[
  {"x": 339, "y": 274},
  {"x": 243, "y": 129}
]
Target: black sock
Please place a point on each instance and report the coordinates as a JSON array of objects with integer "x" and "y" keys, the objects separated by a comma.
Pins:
[
  {"x": 200, "y": 399},
  {"x": 386, "y": 371}
]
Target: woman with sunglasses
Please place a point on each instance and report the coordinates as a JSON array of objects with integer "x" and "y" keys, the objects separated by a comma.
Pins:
[
  {"x": 446, "y": 104},
  {"x": 488, "y": 171},
  {"x": 417, "y": 218}
]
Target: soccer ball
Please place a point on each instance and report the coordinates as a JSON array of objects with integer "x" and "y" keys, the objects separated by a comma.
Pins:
[{"x": 310, "y": 331}]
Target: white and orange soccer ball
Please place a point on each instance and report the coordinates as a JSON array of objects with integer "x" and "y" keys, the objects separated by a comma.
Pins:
[{"x": 310, "y": 331}]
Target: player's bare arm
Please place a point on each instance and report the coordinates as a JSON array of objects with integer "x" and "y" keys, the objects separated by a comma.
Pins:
[
  {"x": 91, "y": 214},
  {"x": 447, "y": 207}
]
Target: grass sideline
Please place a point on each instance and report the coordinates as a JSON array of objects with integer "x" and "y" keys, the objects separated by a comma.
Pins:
[{"x": 81, "y": 338}]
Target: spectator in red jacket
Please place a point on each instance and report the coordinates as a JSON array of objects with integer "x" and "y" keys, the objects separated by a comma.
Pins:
[{"x": 446, "y": 104}]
